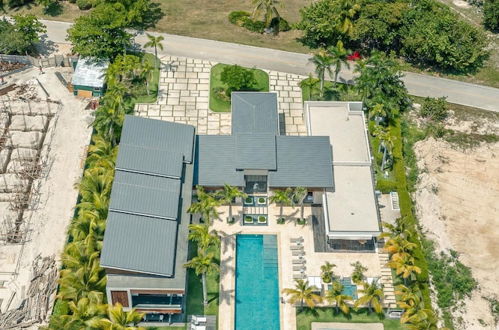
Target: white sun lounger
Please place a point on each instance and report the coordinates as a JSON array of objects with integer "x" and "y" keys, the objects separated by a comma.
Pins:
[
  {"x": 299, "y": 261},
  {"x": 299, "y": 268},
  {"x": 296, "y": 240},
  {"x": 298, "y": 253},
  {"x": 296, "y": 247},
  {"x": 299, "y": 276}
]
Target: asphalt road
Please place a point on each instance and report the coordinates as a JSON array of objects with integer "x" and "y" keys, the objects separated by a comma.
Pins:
[{"x": 478, "y": 96}]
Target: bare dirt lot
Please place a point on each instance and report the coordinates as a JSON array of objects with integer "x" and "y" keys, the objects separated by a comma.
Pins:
[{"x": 457, "y": 202}]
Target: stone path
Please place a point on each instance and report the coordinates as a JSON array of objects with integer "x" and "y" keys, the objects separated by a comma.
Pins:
[{"x": 184, "y": 98}]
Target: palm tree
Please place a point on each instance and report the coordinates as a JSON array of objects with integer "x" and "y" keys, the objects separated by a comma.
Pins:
[
  {"x": 117, "y": 319},
  {"x": 358, "y": 272},
  {"x": 309, "y": 84},
  {"x": 281, "y": 197},
  {"x": 83, "y": 252},
  {"x": 399, "y": 246},
  {"x": 206, "y": 205},
  {"x": 334, "y": 295},
  {"x": 410, "y": 300},
  {"x": 386, "y": 143},
  {"x": 348, "y": 10},
  {"x": 378, "y": 113},
  {"x": 298, "y": 196},
  {"x": 303, "y": 293},
  {"x": 338, "y": 55},
  {"x": 203, "y": 264},
  {"x": 228, "y": 194},
  {"x": 269, "y": 9},
  {"x": 87, "y": 223},
  {"x": 101, "y": 153},
  {"x": 146, "y": 73},
  {"x": 84, "y": 314},
  {"x": 404, "y": 265},
  {"x": 88, "y": 281},
  {"x": 400, "y": 228},
  {"x": 201, "y": 234},
  {"x": 323, "y": 63},
  {"x": 155, "y": 42},
  {"x": 423, "y": 319},
  {"x": 327, "y": 273},
  {"x": 372, "y": 296}
]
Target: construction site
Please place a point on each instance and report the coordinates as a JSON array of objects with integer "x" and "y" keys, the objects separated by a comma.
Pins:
[{"x": 44, "y": 131}]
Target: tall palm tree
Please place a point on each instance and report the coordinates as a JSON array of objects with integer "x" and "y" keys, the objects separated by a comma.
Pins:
[
  {"x": 84, "y": 314},
  {"x": 117, "y": 319},
  {"x": 303, "y": 293},
  {"x": 79, "y": 253},
  {"x": 269, "y": 9},
  {"x": 423, "y": 319},
  {"x": 372, "y": 296},
  {"x": 400, "y": 228},
  {"x": 348, "y": 10},
  {"x": 404, "y": 266},
  {"x": 281, "y": 197},
  {"x": 155, "y": 42},
  {"x": 228, "y": 194},
  {"x": 310, "y": 83},
  {"x": 338, "y": 55},
  {"x": 323, "y": 62},
  {"x": 203, "y": 264},
  {"x": 335, "y": 296},
  {"x": 358, "y": 272},
  {"x": 201, "y": 234},
  {"x": 410, "y": 299},
  {"x": 87, "y": 223},
  {"x": 206, "y": 205},
  {"x": 298, "y": 196},
  {"x": 146, "y": 72},
  {"x": 88, "y": 281},
  {"x": 327, "y": 273},
  {"x": 399, "y": 246}
]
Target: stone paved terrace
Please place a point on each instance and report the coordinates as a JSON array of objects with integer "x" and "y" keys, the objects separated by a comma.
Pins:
[{"x": 184, "y": 98}]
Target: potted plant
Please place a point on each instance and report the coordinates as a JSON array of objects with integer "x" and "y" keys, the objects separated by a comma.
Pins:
[
  {"x": 262, "y": 219},
  {"x": 280, "y": 221},
  {"x": 327, "y": 273},
  {"x": 248, "y": 219},
  {"x": 262, "y": 200},
  {"x": 301, "y": 221},
  {"x": 358, "y": 272},
  {"x": 248, "y": 200}
]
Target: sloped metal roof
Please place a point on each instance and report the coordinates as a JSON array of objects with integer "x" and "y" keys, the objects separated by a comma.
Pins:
[
  {"x": 254, "y": 112},
  {"x": 216, "y": 161},
  {"x": 255, "y": 151},
  {"x": 302, "y": 161},
  {"x": 159, "y": 134},
  {"x": 145, "y": 195},
  {"x": 90, "y": 72},
  {"x": 140, "y": 244}
]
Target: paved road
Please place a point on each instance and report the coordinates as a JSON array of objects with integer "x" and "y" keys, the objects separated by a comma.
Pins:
[{"x": 420, "y": 85}]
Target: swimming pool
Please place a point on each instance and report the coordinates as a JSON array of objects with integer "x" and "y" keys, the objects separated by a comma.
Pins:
[{"x": 257, "y": 286}]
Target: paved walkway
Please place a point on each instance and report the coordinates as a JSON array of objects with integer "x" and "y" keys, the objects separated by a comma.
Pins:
[
  {"x": 271, "y": 59},
  {"x": 184, "y": 98}
]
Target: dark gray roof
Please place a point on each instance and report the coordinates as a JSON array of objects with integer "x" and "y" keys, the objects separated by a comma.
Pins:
[
  {"x": 158, "y": 134},
  {"x": 302, "y": 161},
  {"x": 145, "y": 195},
  {"x": 149, "y": 161},
  {"x": 216, "y": 161},
  {"x": 138, "y": 243},
  {"x": 255, "y": 151},
  {"x": 254, "y": 112},
  {"x": 90, "y": 72}
]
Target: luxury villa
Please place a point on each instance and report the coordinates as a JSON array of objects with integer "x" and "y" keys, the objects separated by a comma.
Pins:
[{"x": 159, "y": 163}]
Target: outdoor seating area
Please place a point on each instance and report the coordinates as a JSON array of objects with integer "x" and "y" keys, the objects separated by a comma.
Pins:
[
  {"x": 299, "y": 263},
  {"x": 202, "y": 322}
]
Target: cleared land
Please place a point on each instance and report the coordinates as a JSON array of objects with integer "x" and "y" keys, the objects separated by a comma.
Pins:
[{"x": 456, "y": 201}]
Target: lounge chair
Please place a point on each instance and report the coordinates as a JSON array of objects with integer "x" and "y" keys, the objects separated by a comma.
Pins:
[
  {"x": 298, "y": 253},
  {"x": 299, "y": 268},
  {"x": 299, "y": 261},
  {"x": 299, "y": 276},
  {"x": 296, "y": 240},
  {"x": 296, "y": 247}
]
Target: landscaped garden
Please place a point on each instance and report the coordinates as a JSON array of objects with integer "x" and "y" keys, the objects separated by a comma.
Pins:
[{"x": 225, "y": 79}]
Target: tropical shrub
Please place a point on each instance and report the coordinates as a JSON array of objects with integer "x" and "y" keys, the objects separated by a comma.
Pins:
[
  {"x": 84, "y": 4},
  {"x": 491, "y": 15},
  {"x": 20, "y": 36},
  {"x": 280, "y": 23},
  {"x": 237, "y": 78},
  {"x": 239, "y": 17},
  {"x": 254, "y": 26},
  {"x": 434, "y": 109}
]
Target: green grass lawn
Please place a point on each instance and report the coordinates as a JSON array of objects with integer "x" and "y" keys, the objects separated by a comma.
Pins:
[
  {"x": 219, "y": 105},
  {"x": 326, "y": 314},
  {"x": 195, "y": 288},
  {"x": 140, "y": 94}
]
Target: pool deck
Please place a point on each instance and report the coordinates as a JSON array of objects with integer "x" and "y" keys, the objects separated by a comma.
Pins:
[{"x": 284, "y": 232}]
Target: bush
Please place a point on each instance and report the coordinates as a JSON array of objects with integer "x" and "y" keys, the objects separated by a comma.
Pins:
[
  {"x": 237, "y": 79},
  {"x": 254, "y": 26},
  {"x": 491, "y": 15},
  {"x": 84, "y": 4},
  {"x": 386, "y": 186},
  {"x": 239, "y": 17},
  {"x": 281, "y": 24},
  {"x": 434, "y": 109}
]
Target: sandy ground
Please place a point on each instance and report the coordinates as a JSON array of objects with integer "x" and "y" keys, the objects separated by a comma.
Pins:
[
  {"x": 49, "y": 222},
  {"x": 457, "y": 203}
]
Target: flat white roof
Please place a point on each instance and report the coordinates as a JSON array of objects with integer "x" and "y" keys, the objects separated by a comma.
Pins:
[
  {"x": 350, "y": 207},
  {"x": 345, "y": 128}
]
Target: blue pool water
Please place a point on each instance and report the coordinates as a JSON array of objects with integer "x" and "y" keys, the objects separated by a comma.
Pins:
[{"x": 257, "y": 287}]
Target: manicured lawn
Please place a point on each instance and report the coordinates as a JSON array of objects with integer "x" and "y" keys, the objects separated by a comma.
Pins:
[
  {"x": 140, "y": 91},
  {"x": 304, "y": 319},
  {"x": 219, "y": 105},
  {"x": 195, "y": 289}
]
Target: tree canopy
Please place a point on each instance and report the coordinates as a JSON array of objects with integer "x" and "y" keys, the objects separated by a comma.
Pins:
[{"x": 21, "y": 36}]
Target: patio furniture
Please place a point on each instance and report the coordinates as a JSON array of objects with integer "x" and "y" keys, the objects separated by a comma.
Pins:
[
  {"x": 198, "y": 327},
  {"x": 299, "y": 268},
  {"x": 197, "y": 320},
  {"x": 296, "y": 240},
  {"x": 300, "y": 276},
  {"x": 296, "y": 253},
  {"x": 296, "y": 247},
  {"x": 299, "y": 261}
]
